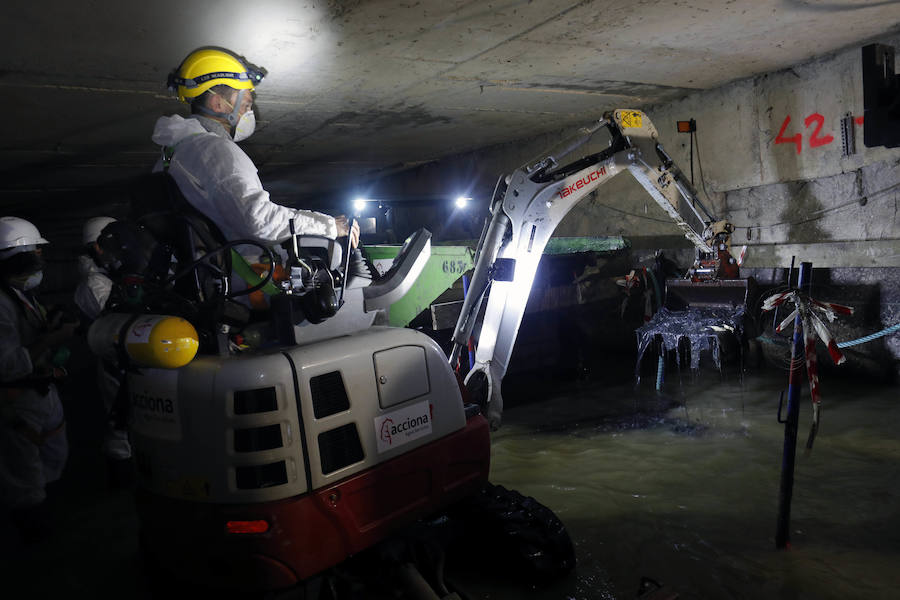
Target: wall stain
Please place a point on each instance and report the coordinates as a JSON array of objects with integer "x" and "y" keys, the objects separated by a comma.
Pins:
[
  {"x": 380, "y": 120},
  {"x": 803, "y": 205},
  {"x": 338, "y": 9},
  {"x": 605, "y": 86}
]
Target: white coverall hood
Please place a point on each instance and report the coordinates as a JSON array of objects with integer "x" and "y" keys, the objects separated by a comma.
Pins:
[{"x": 169, "y": 131}]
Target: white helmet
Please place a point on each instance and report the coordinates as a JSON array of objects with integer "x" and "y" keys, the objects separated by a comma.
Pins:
[
  {"x": 92, "y": 228},
  {"x": 18, "y": 235}
]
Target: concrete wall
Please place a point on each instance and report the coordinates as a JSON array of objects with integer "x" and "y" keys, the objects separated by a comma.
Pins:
[{"x": 795, "y": 193}]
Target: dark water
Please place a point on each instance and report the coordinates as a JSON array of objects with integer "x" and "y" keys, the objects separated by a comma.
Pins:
[{"x": 682, "y": 487}]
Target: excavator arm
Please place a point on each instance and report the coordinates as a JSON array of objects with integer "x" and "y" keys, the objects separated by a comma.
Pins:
[{"x": 525, "y": 210}]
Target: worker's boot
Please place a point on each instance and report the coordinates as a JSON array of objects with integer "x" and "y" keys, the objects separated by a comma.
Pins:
[{"x": 119, "y": 462}]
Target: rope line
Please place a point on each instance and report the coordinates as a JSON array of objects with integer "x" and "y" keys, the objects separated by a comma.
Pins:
[
  {"x": 856, "y": 342},
  {"x": 818, "y": 214},
  {"x": 869, "y": 338},
  {"x": 860, "y": 201}
]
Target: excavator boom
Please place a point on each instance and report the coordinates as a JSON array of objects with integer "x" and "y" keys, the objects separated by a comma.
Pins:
[{"x": 526, "y": 208}]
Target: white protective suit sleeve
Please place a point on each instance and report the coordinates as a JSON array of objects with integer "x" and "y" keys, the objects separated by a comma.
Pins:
[
  {"x": 94, "y": 288},
  {"x": 15, "y": 362},
  {"x": 220, "y": 180}
]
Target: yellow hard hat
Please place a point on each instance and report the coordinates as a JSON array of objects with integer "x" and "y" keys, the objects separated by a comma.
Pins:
[{"x": 207, "y": 67}]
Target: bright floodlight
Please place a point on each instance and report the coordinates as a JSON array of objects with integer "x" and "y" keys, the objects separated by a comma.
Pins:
[
  {"x": 359, "y": 204},
  {"x": 462, "y": 201}
]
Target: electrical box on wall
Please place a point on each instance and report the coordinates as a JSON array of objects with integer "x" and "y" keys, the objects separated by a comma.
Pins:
[{"x": 881, "y": 97}]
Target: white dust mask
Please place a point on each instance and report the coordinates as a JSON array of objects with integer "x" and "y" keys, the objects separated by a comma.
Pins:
[
  {"x": 245, "y": 127},
  {"x": 28, "y": 283}
]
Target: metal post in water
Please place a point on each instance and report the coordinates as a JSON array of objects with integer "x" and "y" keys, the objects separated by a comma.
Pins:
[{"x": 785, "y": 492}]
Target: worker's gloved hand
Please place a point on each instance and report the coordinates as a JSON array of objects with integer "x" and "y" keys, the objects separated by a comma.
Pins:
[
  {"x": 49, "y": 341},
  {"x": 64, "y": 329},
  {"x": 58, "y": 316},
  {"x": 343, "y": 228}
]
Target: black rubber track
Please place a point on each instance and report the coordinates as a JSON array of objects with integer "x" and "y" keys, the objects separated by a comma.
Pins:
[{"x": 528, "y": 536}]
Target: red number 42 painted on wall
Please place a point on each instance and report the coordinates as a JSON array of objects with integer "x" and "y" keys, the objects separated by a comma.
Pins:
[{"x": 814, "y": 140}]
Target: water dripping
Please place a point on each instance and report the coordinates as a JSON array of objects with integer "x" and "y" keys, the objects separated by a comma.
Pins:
[{"x": 699, "y": 327}]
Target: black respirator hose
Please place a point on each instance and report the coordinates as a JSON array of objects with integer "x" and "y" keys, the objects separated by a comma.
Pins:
[
  {"x": 266, "y": 279},
  {"x": 346, "y": 263}
]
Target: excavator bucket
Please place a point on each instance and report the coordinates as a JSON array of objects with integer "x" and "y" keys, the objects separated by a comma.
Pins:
[{"x": 721, "y": 293}]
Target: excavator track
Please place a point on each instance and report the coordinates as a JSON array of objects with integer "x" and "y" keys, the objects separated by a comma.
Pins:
[{"x": 531, "y": 538}]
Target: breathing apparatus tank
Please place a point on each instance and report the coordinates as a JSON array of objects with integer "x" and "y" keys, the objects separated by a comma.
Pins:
[{"x": 158, "y": 341}]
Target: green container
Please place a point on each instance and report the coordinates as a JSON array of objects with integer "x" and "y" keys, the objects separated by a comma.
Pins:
[
  {"x": 445, "y": 265},
  {"x": 449, "y": 263}
]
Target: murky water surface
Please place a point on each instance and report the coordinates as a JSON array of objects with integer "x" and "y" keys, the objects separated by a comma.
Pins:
[{"x": 682, "y": 487}]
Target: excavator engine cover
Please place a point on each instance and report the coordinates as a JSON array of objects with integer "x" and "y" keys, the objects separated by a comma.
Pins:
[{"x": 256, "y": 472}]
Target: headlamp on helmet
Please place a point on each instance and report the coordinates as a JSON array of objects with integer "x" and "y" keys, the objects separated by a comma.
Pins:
[{"x": 205, "y": 68}]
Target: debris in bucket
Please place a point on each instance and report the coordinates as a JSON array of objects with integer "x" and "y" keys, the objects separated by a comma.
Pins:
[{"x": 700, "y": 326}]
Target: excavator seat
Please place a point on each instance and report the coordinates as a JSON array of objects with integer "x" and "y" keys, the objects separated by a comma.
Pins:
[{"x": 172, "y": 220}]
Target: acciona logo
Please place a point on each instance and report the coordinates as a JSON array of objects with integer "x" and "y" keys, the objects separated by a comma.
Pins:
[
  {"x": 402, "y": 426},
  {"x": 152, "y": 404}
]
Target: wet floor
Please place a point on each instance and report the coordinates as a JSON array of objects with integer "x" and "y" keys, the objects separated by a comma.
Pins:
[
  {"x": 682, "y": 487},
  {"x": 679, "y": 486}
]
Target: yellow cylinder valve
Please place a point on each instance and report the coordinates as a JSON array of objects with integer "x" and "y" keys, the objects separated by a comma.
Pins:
[
  {"x": 159, "y": 341},
  {"x": 164, "y": 342}
]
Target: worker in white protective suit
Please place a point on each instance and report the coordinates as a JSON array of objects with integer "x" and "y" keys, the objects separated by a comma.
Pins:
[
  {"x": 91, "y": 295},
  {"x": 213, "y": 173},
  {"x": 95, "y": 285},
  {"x": 33, "y": 445}
]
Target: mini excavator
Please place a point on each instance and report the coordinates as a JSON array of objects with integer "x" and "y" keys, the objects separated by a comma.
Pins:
[{"x": 273, "y": 451}]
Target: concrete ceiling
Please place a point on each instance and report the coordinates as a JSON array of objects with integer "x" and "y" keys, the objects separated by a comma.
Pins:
[{"x": 358, "y": 89}]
